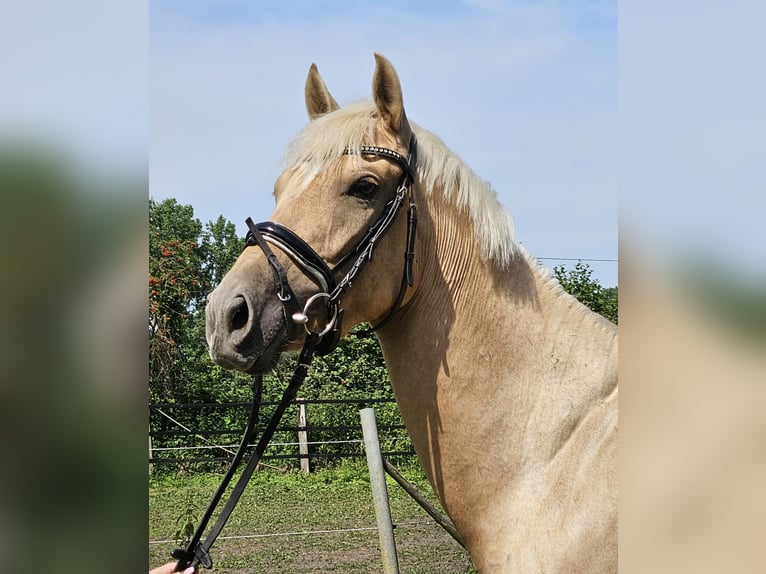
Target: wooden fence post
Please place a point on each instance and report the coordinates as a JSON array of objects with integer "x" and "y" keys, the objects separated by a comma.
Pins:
[
  {"x": 151, "y": 466},
  {"x": 303, "y": 447},
  {"x": 379, "y": 492}
]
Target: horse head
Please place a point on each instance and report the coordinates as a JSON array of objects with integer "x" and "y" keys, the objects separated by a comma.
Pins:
[{"x": 338, "y": 198}]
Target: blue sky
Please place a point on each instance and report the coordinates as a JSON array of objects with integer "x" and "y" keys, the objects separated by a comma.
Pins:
[{"x": 525, "y": 92}]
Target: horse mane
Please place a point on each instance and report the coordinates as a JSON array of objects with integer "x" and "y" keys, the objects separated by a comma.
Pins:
[{"x": 326, "y": 139}]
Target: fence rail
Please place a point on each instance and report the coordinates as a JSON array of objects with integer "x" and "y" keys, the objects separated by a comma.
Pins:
[{"x": 178, "y": 435}]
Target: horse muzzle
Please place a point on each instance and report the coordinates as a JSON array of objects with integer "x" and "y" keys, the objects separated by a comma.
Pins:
[{"x": 243, "y": 334}]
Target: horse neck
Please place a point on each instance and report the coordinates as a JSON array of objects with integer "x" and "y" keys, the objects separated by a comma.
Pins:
[{"x": 478, "y": 346}]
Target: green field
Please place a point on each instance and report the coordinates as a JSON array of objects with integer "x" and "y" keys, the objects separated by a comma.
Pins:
[{"x": 295, "y": 523}]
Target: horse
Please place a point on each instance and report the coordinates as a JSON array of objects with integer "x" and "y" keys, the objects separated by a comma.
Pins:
[{"x": 507, "y": 385}]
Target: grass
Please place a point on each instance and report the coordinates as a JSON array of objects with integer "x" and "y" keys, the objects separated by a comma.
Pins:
[{"x": 286, "y": 512}]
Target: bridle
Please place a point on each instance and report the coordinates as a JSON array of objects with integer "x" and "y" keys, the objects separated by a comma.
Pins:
[
  {"x": 319, "y": 342},
  {"x": 307, "y": 259}
]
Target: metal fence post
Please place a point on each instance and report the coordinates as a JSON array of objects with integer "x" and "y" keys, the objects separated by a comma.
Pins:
[{"x": 379, "y": 492}]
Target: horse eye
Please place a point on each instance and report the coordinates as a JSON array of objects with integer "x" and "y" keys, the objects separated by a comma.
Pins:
[{"x": 363, "y": 188}]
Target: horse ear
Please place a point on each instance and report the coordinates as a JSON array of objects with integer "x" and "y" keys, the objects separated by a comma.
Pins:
[
  {"x": 318, "y": 98},
  {"x": 387, "y": 95}
]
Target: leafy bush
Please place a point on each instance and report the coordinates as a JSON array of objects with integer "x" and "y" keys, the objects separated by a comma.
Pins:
[{"x": 578, "y": 283}]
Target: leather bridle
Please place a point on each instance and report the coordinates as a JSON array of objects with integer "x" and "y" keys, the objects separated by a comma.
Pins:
[
  {"x": 309, "y": 261},
  {"x": 296, "y": 314}
]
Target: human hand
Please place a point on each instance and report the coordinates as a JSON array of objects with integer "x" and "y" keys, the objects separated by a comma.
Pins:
[{"x": 169, "y": 568}]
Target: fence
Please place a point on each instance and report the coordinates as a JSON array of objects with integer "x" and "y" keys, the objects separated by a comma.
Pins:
[{"x": 312, "y": 430}]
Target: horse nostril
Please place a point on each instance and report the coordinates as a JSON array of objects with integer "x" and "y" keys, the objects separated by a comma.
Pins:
[{"x": 239, "y": 315}]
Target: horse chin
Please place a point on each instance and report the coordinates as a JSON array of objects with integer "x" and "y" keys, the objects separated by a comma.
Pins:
[
  {"x": 263, "y": 364},
  {"x": 268, "y": 358},
  {"x": 255, "y": 355}
]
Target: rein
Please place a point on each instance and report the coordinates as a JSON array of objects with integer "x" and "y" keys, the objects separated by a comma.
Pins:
[
  {"x": 198, "y": 552},
  {"x": 320, "y": 342}
]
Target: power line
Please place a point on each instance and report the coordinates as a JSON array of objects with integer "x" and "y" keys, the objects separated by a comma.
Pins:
[{"x": 576, "y": 259}]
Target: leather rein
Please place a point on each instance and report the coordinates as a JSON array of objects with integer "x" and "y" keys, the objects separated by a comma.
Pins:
[{"x": 318, "y": 342}]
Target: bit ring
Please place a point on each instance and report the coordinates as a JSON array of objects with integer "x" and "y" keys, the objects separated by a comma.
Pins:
[{"x": 303, "y": 317}]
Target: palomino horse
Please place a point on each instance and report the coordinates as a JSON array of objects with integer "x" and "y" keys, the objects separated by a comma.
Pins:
[{"x": 507, "y": 385}]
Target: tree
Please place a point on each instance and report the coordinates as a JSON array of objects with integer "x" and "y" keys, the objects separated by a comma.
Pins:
[
  {"x": 174, "y": 292},
  {"x": 185, "y": 262},
  {"x": 578, "y": 283},
  {"x": 220, "y": 247}
]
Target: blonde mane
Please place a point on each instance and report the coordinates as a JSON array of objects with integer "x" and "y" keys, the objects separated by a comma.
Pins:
[{"x": 326, "y": 139}]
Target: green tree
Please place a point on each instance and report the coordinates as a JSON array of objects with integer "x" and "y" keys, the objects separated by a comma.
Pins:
[
  {"x": 174, "y": 292},
  {"x": 220, "y": 248},
  {"x": 185, "y": 262},
  {"x": 578, "y": 283}
]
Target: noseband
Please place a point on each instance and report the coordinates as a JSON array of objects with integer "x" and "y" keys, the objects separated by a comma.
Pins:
[{"x": 310, "y": 262}]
